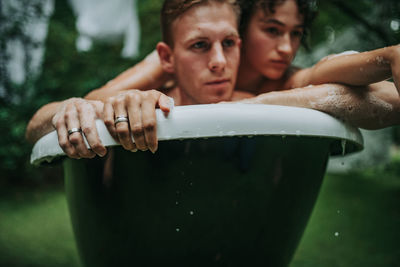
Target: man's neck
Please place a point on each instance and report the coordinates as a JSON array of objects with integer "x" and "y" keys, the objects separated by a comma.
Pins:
[{"x": 248, "y": 80}]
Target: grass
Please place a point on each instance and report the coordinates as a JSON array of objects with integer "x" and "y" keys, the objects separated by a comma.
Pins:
[
  {"x": 355, "y": 223},
  {"x": 35, "y": 228}
]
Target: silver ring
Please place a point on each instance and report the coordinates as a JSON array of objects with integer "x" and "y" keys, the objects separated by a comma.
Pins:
[
  {"x": 120, "y": 119},
  {"x": 74, "y": 130}
]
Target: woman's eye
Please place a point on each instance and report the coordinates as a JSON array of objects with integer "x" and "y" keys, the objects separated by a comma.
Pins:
[
  {"x": 297, "y": 34},
  {"x": 228, "y": 43},
  {"x": 199, "y": 45}
]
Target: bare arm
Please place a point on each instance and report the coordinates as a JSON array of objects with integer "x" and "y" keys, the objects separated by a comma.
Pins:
[
  {"x": 358, "y": 69},
  {"x": 146, "y": 75},
  {"x": 66, "y": 115},
  {"x": 373, "y": 107},
  {"x": 41, "y": 124}
]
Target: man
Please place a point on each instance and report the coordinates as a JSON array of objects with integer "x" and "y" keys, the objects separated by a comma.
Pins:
[{"x": 201, "y": 49}]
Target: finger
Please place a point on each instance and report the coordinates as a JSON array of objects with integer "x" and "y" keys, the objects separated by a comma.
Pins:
[
  {"x": 149, "y": 120},
  {"x": 122, "y": 128},
  {"x": 98, "y": 108},
  {"x": 76, "y": 138},
  {"x": 165, "y": 103},
  {"x": 396, "y": 79},
  {"x": 108, "y": 116},
  {"x": 87, "y": 118},
  {"x": 63, "y": 140},
  {"x": 135, "y": 121}
]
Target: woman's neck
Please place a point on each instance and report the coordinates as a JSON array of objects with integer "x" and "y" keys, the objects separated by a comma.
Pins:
[{"x": 251, "y": 81}]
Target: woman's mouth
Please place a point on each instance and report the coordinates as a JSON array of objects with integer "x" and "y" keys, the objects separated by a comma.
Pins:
[{"x": 280, "y": 63}]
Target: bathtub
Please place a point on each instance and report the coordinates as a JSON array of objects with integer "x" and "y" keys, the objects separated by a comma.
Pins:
[{"x": 230, "y": 185}]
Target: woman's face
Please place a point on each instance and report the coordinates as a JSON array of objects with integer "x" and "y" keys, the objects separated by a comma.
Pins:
[{"x": 272, "y": 39}]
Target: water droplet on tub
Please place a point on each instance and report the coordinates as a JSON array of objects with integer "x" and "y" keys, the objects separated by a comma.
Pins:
[
  {"x": 336, "y": 234},
  {"x": 176, "y": 203},
  {"x": 191, "y": 212},
  {"x": 343, "y": 147},
  {"x": 177, "y": 229}
]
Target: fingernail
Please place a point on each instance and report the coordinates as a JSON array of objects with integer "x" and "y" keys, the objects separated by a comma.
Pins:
[
  {"x": 134, "y": 150},
  {"x": 171, "y": 103}
]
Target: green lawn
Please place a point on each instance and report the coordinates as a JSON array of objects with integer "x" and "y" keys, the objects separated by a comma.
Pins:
[{"x": 356, "y": 222}]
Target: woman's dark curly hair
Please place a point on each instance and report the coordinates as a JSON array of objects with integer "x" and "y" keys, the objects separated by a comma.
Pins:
[{"x": 307, "y": 8}]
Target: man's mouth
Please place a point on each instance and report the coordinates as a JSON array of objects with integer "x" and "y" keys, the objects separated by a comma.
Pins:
[{"x": 218, "y": 82}]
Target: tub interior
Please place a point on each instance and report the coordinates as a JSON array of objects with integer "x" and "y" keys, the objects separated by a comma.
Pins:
[{"x": 218, "y": 202}]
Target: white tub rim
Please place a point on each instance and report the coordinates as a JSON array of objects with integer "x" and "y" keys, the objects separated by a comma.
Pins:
[{"x": 233, "y": 119}]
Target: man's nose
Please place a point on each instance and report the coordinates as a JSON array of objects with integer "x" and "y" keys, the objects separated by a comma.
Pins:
[
  {"x": 217, "y": 60},
  {"x": 285, "y": 45}
]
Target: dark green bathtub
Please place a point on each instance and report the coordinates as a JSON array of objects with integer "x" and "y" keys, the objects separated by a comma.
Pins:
[{"x": 220, "y": 201}]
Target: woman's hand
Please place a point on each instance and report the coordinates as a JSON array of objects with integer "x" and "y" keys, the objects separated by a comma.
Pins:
[
  {"x": 132, "y": 113},
  {"x": 74, "y": 118}
]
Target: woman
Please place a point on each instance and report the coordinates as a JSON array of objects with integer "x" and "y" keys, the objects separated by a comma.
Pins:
[{"x": 272, "y": 32}]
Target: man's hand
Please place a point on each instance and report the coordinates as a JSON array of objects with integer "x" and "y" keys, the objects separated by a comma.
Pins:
[
  {"x": 76, "y": 117},
  {"x": 395, "y": 65},
  {"x": 132, "y": 113}
]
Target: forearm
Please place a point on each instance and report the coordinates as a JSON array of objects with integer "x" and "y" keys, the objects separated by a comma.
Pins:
[
  {"x": 372, "y": 107},
  {"x": 41, "y": 122},
  {"x": 146, "y": 75},
  {"x": 359, "y": 69}
]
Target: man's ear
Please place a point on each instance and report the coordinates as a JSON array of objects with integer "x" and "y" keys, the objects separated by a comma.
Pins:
[{"x": 167, "y": 60}]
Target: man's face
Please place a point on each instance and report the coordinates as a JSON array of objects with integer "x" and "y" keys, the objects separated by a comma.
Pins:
[{"x": 206, "y": 53}]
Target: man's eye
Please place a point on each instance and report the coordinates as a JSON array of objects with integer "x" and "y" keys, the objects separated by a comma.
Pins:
[
  {"x": 200, "y": 45},
  {"x": 273, "y": 31},
  {"x": 228, "y": 43}
]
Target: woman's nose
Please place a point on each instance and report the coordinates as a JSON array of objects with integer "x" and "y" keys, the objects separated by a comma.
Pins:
[{"x": 285, "y": 45}]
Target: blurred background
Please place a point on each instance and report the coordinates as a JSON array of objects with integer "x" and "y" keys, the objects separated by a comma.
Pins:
[{"x": 51, "y": 50}]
